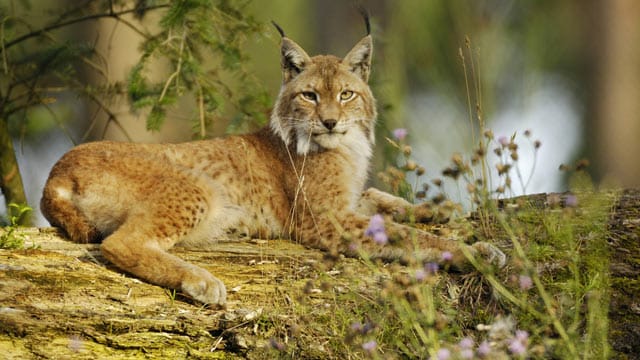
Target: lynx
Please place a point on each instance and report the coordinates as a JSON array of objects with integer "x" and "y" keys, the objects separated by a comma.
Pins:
[{"x": 301, "y": 177}]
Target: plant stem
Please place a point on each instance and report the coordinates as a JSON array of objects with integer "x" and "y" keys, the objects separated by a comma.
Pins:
[{"x": 10, "y": 178}]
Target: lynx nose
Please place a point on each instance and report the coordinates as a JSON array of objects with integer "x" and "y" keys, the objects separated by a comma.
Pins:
[{"x": 329, "y": 123}]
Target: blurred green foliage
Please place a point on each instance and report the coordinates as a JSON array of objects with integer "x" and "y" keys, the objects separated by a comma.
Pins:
[
  {"x": 509, "y": 40},
  {"x": 202, "y": 43},
  {"x": 202, "y": 40}
]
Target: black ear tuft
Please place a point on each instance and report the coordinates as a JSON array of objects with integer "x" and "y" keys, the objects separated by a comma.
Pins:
[
  {"x": 293, "y": 58},
  {"x": 279, "y": 29},
  {"x": 365, "y": 15}
]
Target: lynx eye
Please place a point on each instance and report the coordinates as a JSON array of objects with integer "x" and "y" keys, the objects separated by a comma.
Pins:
[
  {"x": 309, "y": 96},
  {"x": 346, "y": 95}
]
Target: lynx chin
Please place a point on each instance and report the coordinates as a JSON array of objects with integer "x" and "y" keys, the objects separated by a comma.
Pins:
[{"x": 301, "y": 177}]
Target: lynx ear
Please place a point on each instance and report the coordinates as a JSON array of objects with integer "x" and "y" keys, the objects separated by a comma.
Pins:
[
  {"x": 294, "y": 59},
  {"x": 359, "y": 58}
]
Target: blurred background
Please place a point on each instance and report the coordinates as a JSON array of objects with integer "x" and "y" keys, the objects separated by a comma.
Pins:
[{"x": 565, "y": 71}]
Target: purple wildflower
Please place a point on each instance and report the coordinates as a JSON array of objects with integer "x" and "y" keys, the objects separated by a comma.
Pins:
[
  {"x": 443, "y": 354},
  {"x": 431, "y": 268},
  {"x": 368, "y": 326},
  {"x": 466, "y": 354},
  {"x": 376, "y": 224},
  {"x": 571, "y": 201},
  {"x": 522, "y": 336},
  {"x": 369, "y": 346},
  {"x": 421, "y": 274},
  {"x": 275, "y": 344},
  {"x": 518, "y": 344},
  {"x": 446, "y": 256},
  {"x": 503, "y": 140},
  {"x": 357, "y": 327},
  {"x": 400, "y": 134},
  {"x": 380, "y": 238},
  {"x": 516, "y": 347},
  {"x": 376, "y": 230},
  {"x": 466, "y": 343},
  {"x": 484, "y": 349},
  {"x": 525, "y": 282},
  {"x": 466, "y": 348}
]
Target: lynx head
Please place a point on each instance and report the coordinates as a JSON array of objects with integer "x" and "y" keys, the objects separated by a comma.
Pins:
[{"x": 325, "y": 102}]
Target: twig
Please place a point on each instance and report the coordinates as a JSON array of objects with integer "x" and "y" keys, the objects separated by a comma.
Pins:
[
  {"x": 201, "y": 110},
  {"x": 178, "y": 68},
  {"x": 48, "y": 28},
  {"x": 4, "y": 51},
  {"x": 110, "y": 116}
]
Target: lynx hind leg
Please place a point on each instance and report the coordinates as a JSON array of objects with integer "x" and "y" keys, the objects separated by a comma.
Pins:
[
  {"x": 137, "y": 249},
  {"x": 58, "y": 208}
]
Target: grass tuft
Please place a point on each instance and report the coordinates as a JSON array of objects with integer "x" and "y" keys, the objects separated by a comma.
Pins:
[{"x": 9, "y": 239}]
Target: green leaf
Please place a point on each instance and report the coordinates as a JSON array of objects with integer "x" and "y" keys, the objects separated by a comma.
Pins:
[
  {"x": 156, "y": 118},
  {"x": 137, "y": 88}
]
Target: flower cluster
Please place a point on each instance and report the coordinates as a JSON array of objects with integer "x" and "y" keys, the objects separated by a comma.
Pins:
[
  {"x": 359, "y": 329},
  {"x": 369, "y": 346},
  {"x": 400, "y": 133},
  {"x": 463, "y": 350},
  {"x": 506, "y": 150},
  {"x": 466, "y": 348},
  {"x": 518, "y": 344},
  {"x": 525, "y": 282},
  {"x": 396, "y": 176},
  {"x": 503, "y": 341},
  {"x": 376, "y": 230},
  {"x": 276, "y": 344}
]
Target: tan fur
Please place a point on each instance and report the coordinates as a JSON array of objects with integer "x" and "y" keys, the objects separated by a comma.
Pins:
[{"x": 301, "y": 177}]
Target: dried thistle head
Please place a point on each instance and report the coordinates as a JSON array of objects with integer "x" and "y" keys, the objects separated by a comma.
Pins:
[{"x": 582, "y": 164}]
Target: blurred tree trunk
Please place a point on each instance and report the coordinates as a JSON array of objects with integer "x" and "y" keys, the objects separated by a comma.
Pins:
[
  {"x": 10, "y": 178},
  {"x": 616, "y": 101},
  {"x": 121, "y": 51}
]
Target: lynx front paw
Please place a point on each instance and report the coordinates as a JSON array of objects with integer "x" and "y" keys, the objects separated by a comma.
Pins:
[
  {"x": 204, "y": 287},
  {"x": 423, "y": 214},
  {"x": 490, "y": 253}
]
